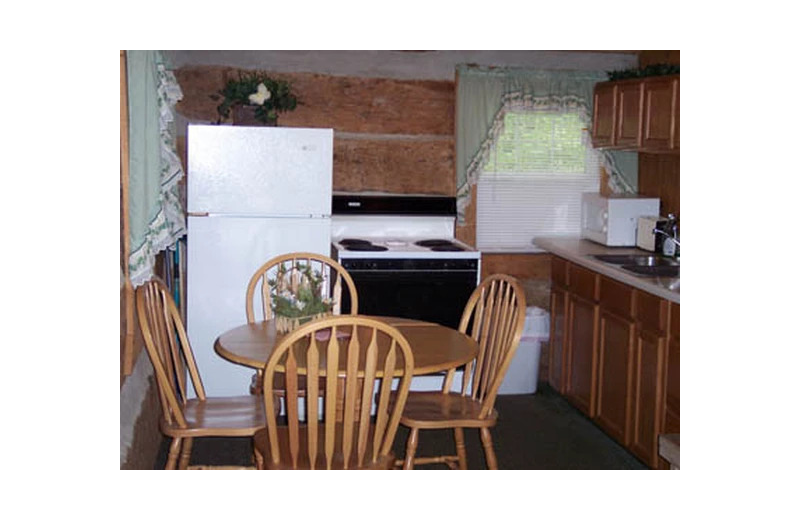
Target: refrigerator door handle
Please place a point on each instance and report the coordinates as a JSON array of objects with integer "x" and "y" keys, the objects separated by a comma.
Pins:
[{"x": 197, "y": 214}]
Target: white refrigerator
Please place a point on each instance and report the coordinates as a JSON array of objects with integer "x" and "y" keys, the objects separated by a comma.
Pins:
[{"x": 252, "y": 193}]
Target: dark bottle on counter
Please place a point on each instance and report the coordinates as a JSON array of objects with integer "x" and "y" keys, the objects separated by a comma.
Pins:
[{"x": 669, "y": 237}]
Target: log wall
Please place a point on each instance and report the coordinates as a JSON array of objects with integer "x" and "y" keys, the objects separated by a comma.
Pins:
[{"x": 390, "y": 135}]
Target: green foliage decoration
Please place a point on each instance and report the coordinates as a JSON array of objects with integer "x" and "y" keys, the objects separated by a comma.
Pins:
[
  {"x": 297, "y": 292},
  {"x": 657, "y": 69},
  {"x": 269, "y": 96}
]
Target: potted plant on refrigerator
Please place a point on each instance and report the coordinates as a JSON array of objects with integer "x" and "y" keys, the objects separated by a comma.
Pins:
[
  {"x": 297, "y": 297},
  {"x": 255, "y": 98}
]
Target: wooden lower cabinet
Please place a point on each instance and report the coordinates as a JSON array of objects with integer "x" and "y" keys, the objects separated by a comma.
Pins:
[
  {"x": 672, "y": 401},
  {"x": 648, "y": 396},
  {"x": 615, "y": 375},
  {"x": 615, "y": 356},
  {"x": 556, "y": 375},
  {"x": 672, "y": 422},
  {"x": 582, "y": 323},
  {"x": 617, "y": 335},
  {"x": 652, "y": 319}
]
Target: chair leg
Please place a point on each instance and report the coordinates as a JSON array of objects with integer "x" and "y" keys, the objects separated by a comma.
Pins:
[
  {"x": 461, "y": 449},
  {"x": 259, "y": 460},
  {"x": 174, "y": 450},
  {"x": 186, "y": 453},
  {"x": 411, "y": 448},
  {"x": 488, "y": 448}
]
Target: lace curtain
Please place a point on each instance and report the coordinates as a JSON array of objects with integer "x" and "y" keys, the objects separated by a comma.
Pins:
[
  {"x": 484, "y": 96},
  {"x": 156, "y": 214}
]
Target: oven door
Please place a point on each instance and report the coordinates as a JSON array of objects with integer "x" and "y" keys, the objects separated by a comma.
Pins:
[{"x": 428, "y": 290}]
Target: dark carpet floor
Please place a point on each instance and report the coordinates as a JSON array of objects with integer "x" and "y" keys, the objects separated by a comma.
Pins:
[{"x": 535, "y": 431}]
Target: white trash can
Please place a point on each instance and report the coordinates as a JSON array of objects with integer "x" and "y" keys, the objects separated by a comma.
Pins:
[{"x": 523, "y": 374}]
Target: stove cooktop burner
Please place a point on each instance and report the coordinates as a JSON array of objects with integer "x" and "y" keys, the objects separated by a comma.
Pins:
[
  {"x": 365, "y": 247},
  {"x": 354, "y": 242},
  {"x": 448, "y": 247},
  {"x": 436, "y": 242}
]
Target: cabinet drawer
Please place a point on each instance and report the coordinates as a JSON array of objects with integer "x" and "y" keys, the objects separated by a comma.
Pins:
[
  {"x": 651, "y": 312},
  {"x": 558, "y": 271},
  {"x": 583, "y": 282},
  {"x": 616, "y": 297}
]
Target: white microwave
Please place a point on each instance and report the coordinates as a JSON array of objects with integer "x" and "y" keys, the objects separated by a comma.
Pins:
[{"x": 612, "y": 220}]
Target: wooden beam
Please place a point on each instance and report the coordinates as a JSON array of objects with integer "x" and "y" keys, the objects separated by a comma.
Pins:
[{"x": 128, "y": 354}]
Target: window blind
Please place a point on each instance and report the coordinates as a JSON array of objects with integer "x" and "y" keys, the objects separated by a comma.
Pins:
[{"x": 533, "y": 182}]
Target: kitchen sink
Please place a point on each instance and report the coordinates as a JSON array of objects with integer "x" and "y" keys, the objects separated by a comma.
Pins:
[
  {"x": 638, "y": 260},
  {"x": 644, "y": 264},
  {"x": 667, "y": 271}
]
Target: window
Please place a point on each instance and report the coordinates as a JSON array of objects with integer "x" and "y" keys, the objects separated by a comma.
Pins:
[{"x": 532, "y": 183}]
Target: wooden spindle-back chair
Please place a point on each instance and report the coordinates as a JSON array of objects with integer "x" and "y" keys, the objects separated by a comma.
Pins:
[
  {"x": 494, "y": 316},
  {"x": 185, "y": 418},
  {"x": 335, "y": 427}
]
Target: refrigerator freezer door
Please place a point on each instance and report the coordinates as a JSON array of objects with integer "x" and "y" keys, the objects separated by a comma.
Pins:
[
  {"x": 222, "y": 254},
  {"x": 259, "y": 170}
]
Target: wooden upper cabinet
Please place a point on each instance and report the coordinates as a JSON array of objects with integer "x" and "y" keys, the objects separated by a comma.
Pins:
[
  {"x": 659, "y": 123},
  {"x": 629, "y": 115},
  {"x": 639, "y": 114},
  {"x": 604, "y": 114}
]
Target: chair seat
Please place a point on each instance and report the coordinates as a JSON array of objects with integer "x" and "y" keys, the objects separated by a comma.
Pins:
[
  {"x": 433, "y": 410},
  {"x": 220, "y": 416},
  {"x": 261, "y": 446}
]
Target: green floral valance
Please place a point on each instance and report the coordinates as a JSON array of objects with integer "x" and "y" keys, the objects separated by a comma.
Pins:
[{"x": 483, "y": 97}]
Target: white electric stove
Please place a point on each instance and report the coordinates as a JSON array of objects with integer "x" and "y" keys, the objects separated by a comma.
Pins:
[
  {"x": 402, "y": 255},
  {"x": 404, "y": 259}
]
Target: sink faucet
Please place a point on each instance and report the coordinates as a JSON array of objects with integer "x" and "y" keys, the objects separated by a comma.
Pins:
[{"x": 659, "y": 232}]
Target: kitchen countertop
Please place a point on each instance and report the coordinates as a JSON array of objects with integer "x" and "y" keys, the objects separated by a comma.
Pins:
[{"x": 578, "y": 251}]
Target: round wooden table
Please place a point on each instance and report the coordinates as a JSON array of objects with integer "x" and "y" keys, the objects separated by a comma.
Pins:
[{"x": 435, "y": 347}]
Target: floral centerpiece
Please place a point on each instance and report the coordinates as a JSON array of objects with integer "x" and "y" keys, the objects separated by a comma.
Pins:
[
  {"x": 297, "y": 296},
  {"x": 265, "y": 95}
]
